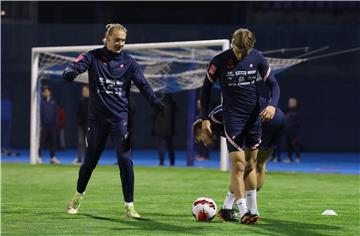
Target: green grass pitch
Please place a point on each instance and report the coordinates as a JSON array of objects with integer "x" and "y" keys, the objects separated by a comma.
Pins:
[{"x": 34, "y": 199}]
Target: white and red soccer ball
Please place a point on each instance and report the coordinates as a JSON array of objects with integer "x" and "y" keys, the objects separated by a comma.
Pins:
[{"x": 204, "y": 209}]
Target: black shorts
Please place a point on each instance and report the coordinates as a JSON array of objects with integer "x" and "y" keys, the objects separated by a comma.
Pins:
[
  {"x": 272, "y": 130},
  {"x": 249, "y": 137}
]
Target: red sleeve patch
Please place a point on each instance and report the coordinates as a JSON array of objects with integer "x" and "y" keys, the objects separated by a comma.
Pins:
[
  {"x": 212, "y": 69},
  {"x": 79, "y": 58}
]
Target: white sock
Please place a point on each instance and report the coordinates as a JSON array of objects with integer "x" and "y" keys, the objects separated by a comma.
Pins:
[
  {"x": 241, "y": 204},
  {"x": 129, "y": 204},
  {"x": 229, "y": 200},
  {"x": 251, "y": 200}
]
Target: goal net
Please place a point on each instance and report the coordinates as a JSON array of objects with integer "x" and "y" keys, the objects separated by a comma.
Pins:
[{"x": 168, "y": 67}]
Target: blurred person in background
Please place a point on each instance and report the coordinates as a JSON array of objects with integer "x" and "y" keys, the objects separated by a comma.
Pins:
[
  {"x": 164, "y": 128},
  {"x": 48, "y": 122},
  {"x": 292, "y": 130},
  {"x": 82, "y": 121},
  {"x": 61, "y": 127}
]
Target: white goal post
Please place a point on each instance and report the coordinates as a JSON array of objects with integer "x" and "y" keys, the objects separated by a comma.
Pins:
[{"x": 37, "y": 70}]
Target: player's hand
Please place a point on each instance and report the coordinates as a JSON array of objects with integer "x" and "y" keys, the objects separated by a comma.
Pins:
[
  {"x": 268, "y": 113},
  {"x": 69, "y": 75},
  {"x": 206, "y": 125}
]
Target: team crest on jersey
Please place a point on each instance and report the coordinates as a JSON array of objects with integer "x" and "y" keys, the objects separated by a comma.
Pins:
[
  {"x": 79, "y": 58},
  {"x": 230, "y": 64},
  {"x": 103, "y": 60}
]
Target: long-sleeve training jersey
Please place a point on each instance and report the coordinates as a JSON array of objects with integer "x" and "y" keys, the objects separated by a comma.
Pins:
[
  {"x": 110, "y": 77},
  {"x": 238, "y": 83}
]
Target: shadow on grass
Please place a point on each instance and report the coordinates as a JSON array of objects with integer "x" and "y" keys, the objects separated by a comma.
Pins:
[
  {"x": 146, "y": 224},
  {"x": 283, "y": 227},
  {"x": 171, "y": 215},
  {"x": 266, "y": 226}
]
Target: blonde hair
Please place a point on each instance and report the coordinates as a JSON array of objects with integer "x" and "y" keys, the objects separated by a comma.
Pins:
[
  {"x": 243, "y": 39},
  {"x": 110, "y": 28},
  {"x": 196, "y": 129}
]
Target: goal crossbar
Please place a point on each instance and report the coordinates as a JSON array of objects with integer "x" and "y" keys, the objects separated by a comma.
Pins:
[{"x": 137, "y": 46}]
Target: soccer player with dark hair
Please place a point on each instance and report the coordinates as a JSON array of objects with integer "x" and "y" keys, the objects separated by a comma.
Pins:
[
  {"x": 237, "y": 69},
  {"x": 111, "y": 71},
  {"x": 271, "y": 132}
]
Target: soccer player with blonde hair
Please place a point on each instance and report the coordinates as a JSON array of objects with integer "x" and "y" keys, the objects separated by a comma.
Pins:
[
  {"x": 236, "y": 70},
  {"x": 271, "y": 133},
  {"x": 111, "y": 72}
]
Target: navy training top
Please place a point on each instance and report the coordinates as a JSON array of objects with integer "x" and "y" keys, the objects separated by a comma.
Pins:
[
  {"x": 48, "y": 111},
  {"x": 110, "y": 77},
  {"x": 238, "y": 84}
]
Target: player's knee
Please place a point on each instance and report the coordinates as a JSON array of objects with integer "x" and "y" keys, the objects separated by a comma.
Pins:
[
  {"x": 250, "y": 164},
  {"x": 248, "y": 169},
  {"x": 125, "y": 161},
  {"x": 259, "y": 166},
  {"x": 238, "y": 165}
]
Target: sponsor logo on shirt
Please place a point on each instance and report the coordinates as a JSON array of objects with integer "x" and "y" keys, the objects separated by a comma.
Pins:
[
  {"x": 238, "y": 84},
  {"x": 230, "y": 75},
  {"x": 240, "y": 72},
  {"x": 245, "y": 72},
  {"x": 241, "y": 77},
  {"x": 230, "y": 64},
  {"x": 109, "y": 86}
]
